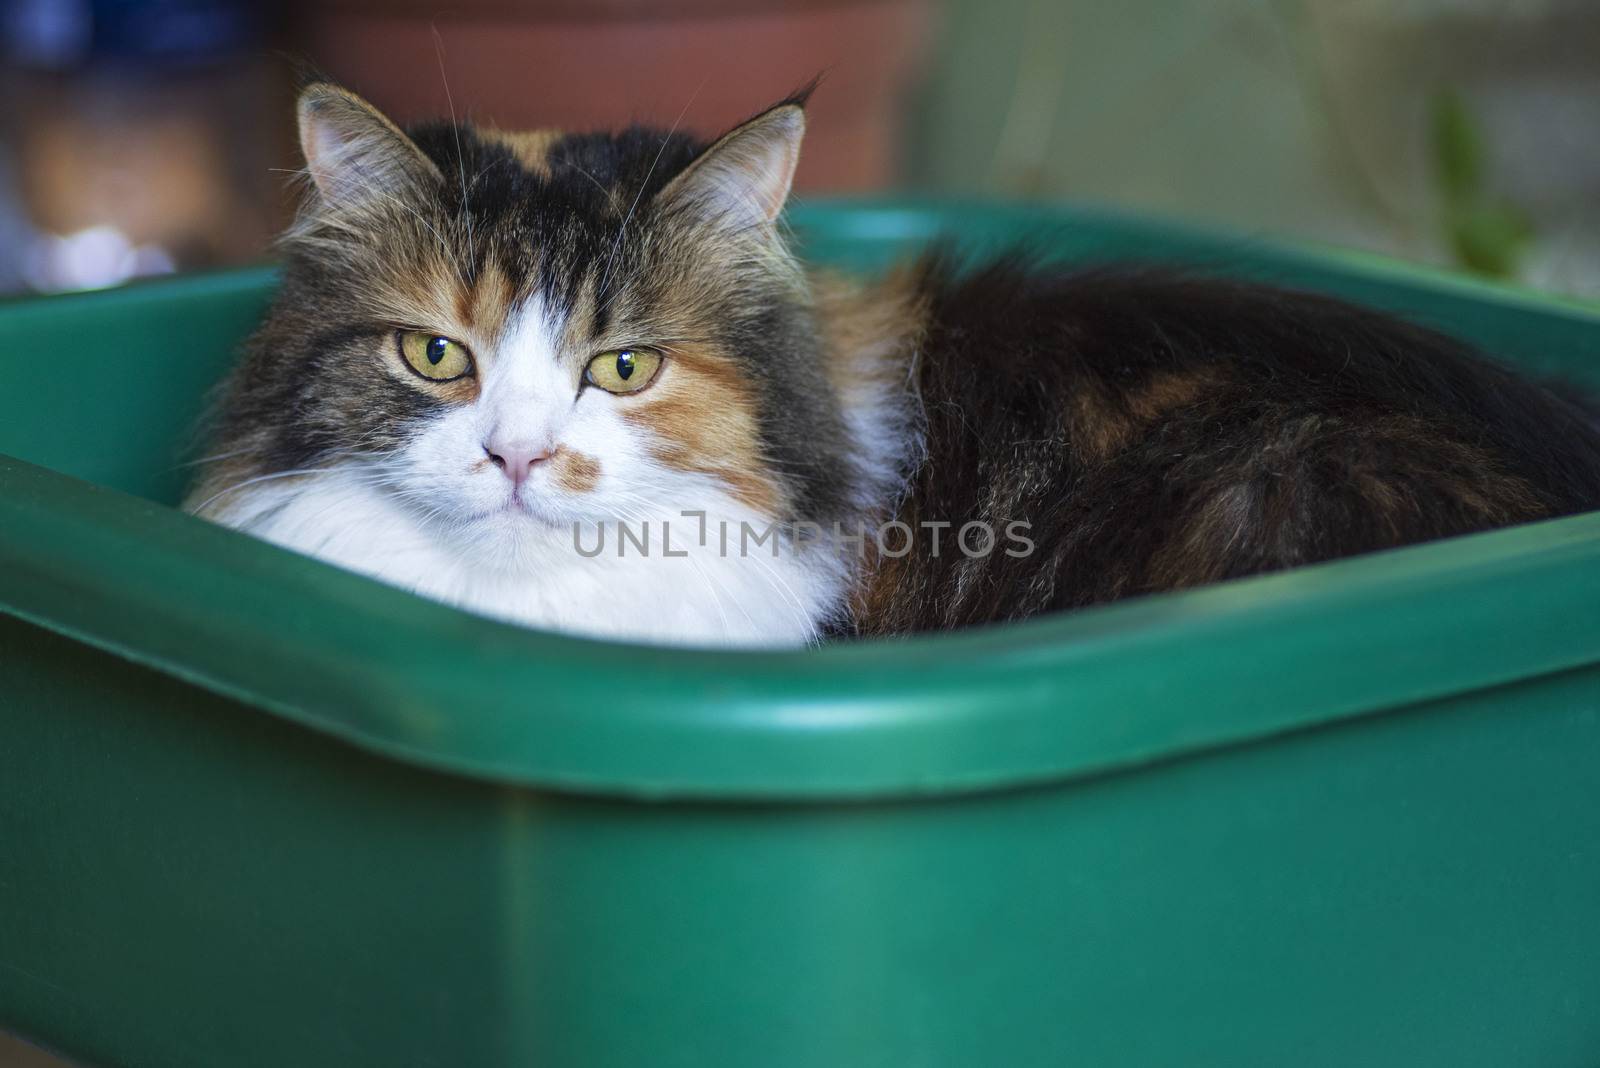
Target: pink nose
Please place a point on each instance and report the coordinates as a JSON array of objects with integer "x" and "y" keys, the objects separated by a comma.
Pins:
[{"x": 515, "y": 458}]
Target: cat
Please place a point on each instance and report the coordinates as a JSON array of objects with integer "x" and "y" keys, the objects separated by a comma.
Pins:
[{"x": 579, "y": 382}]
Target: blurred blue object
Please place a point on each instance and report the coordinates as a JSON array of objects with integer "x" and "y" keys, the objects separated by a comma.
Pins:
[{"x": 65, "y": 34}]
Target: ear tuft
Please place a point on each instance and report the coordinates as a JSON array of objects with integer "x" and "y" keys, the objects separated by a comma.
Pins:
[
  {"x": 743, "y": 179},
  {"x": 354, "y": 153}
]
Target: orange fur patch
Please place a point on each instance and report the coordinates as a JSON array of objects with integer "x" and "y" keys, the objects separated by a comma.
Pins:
[
  {"x": 702, "y": 414},
  {"x": 870, "y": 332},
  {"x": 576, "y": 472},
  {"x": 1099, "y": 428},
  {"x": 1168, "y": 391},
  {"x": 530, "y": 147}
]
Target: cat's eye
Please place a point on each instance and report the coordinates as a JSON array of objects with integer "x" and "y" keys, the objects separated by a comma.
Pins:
[
  {"x": 623, "y": 370},
  {"x": 436, "y": 358}
]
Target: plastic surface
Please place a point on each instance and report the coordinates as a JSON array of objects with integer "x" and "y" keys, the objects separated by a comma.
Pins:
[{"x": 257, "y": 811}]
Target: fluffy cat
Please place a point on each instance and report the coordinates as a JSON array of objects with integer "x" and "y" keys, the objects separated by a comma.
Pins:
[{"x": 579, "y": 382}]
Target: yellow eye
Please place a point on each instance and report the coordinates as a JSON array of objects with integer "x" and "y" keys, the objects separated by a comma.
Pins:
[
  {"x": 623, "y": 370},
  {"x": 433, "y": 357}
]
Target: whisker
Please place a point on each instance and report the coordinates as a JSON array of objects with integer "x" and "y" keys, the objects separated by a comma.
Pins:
[
  {"x": 607, "y": 193},
  {"x": 258, "y": 479},
  {"x": 617, "y": 244},
  {"x": 461, "y": 161}
]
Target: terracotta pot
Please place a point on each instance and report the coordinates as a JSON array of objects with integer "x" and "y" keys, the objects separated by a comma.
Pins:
[{"x": 704, "y": 64}]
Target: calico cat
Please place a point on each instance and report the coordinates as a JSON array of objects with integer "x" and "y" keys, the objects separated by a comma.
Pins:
[{"x": 578, "y": 381}]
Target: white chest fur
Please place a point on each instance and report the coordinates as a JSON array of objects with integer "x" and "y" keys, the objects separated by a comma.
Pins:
[{"x": 667, "y": 578}]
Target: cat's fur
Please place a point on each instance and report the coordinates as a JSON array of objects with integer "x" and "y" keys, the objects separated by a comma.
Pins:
[
  {"x": 1133, "y": 431},
  {"x": 1162, "y": 431}
]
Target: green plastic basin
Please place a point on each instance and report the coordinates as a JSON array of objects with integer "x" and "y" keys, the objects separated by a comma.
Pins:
[{"x": 255, "y": 811}]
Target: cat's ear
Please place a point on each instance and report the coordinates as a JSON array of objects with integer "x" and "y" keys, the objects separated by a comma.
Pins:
[
  {"x": 743, "y": 179},
  {"x": 354, "y": 154}
]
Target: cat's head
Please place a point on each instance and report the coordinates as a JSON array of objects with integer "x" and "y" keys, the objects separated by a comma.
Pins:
[{"x": 514, "y": 331}]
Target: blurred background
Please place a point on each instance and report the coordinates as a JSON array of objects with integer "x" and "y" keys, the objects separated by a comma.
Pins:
[{"x": 141, "y": 137}]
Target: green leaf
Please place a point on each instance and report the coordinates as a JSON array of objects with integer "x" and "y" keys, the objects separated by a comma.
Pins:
[
  {"x": 1490, "y": 239},
  {"x": 1457, "y": 148}
]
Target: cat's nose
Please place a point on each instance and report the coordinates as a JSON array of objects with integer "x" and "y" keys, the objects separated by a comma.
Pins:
[{"x": 515, "y": 458}]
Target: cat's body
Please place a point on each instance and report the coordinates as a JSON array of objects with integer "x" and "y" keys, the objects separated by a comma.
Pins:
[
  {"x": 1162, "y": 431},
  {"x": 579, "y": 382}
]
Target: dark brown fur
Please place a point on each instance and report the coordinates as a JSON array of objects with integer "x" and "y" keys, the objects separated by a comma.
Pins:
[{"x": 1159, "y": 431}]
